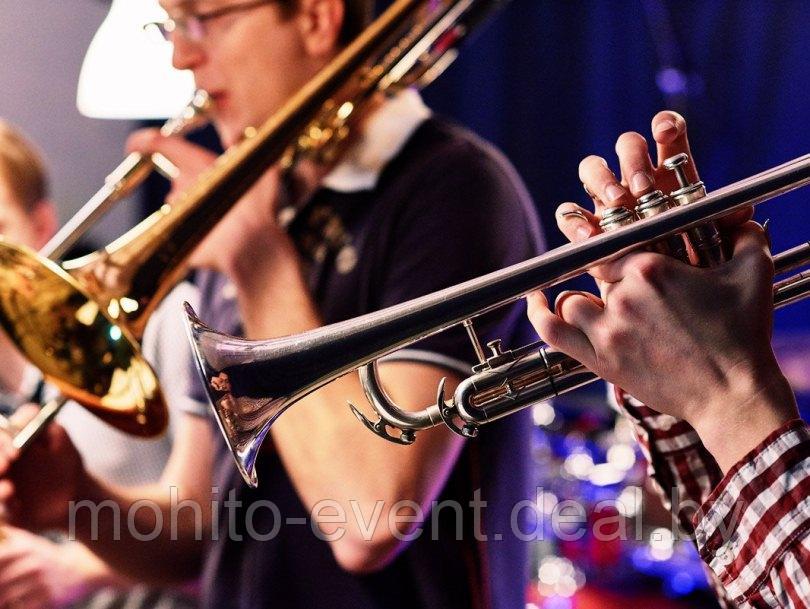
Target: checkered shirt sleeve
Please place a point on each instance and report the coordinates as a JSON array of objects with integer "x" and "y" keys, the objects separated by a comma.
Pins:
[
  {"x": 754, "y": 529},
  {"x": 681, "y": 467}
]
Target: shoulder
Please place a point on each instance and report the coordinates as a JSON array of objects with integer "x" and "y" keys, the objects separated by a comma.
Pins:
[
  {"x": 449, "y": 176},
  {"x": 447, "y": 151}
]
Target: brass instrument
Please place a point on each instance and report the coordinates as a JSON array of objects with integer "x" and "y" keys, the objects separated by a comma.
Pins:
[
  {"x": 129, "y": 174},
  {"x": 79, "y": 322},
  {"x": 251, "y": 383},
  {"x": 66, "y": 329}
]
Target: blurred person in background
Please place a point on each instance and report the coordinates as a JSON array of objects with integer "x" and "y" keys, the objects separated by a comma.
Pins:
[{"x": 48, "y": 571}]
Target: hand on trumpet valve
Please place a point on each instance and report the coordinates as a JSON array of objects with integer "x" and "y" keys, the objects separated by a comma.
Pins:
[{"x": 690, "y": 342}]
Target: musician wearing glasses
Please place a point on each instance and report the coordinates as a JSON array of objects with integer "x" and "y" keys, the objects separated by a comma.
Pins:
[
  {"x": 713, "y": 411},
  {"x": 413, "y": 204},
  {"x": 48, "y": 572}
]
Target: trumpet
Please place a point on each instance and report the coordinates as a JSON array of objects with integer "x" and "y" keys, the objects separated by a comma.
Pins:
[
  {"x": 127, "y": 386},
  {"x": 251, "y": 383},
  {"x": 79, "y": 322}
]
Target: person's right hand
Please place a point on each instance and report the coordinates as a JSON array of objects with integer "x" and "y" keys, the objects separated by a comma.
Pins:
[{"x": 36, "y": 487}]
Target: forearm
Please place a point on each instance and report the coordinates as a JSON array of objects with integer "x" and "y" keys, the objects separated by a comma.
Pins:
[
  {"x": 325, "y": 451},
  {"x": 147, "y": 534}
]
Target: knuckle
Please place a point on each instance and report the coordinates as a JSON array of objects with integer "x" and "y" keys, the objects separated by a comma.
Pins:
[
  {"x": 653, "y": 271},
  {"x": 549, "y": 332},
  {"x": 616, "y": 337},
  {"x": 623, "y": 305}
]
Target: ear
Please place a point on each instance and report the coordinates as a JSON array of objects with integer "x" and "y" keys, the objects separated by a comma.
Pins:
[
  {"x": 44, "y": 220},
  {"x": 321, "y": 22}
]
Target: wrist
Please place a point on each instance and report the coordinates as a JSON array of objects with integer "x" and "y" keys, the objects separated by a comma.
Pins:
[
  {"x": 732, "y": 423},
  {"x": 92, "y": 573}
]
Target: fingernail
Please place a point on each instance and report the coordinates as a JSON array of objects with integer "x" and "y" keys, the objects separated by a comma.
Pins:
[
  {"x": 614, "y": 192},
  {"x": 574, "y": 213},
  {"x": 664, "y": 127},
  {"x": 641, "y": 180},
  {"x": 583, "y": 232}
]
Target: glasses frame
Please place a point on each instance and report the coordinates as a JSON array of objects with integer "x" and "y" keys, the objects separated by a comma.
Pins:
[{"x": 193, "y": 25}]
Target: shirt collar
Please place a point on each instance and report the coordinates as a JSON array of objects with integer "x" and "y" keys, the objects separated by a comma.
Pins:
[{"x": 384, "y": 135}]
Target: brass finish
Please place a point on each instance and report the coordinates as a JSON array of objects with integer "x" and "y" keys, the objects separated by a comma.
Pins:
[
  {"x": 120, "y": 285},
  {"x": 63, "y": 330},
  {"x": 71, "y": 330}
]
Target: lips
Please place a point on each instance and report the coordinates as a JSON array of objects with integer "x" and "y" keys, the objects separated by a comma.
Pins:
[{"x": 218, "y": 98}]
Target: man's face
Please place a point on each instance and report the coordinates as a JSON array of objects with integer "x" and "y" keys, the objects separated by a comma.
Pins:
[
  {"x": 250, "y": 61},
  {"x": 15, "y": 223}
]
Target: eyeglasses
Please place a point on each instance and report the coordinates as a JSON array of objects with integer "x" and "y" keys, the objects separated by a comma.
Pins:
[{"x": 195, "y": 26}]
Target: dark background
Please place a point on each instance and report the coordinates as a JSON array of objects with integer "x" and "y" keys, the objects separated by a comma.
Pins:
[{"x": 550, "y": 82}]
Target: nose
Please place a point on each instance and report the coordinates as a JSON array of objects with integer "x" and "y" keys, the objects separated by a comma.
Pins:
[{"x": 186, "y": 53}]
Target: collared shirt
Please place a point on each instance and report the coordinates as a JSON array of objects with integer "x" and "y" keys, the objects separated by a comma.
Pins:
[
  {"x": 443, "y": 208},
  {"x": 753, "y": 525},
  {"x": 384, "y": 135}
]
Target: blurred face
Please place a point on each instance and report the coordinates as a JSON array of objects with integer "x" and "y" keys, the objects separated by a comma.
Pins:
[
  {"x": 249, "y": 61},
  {"x": 15, "y": 223}
]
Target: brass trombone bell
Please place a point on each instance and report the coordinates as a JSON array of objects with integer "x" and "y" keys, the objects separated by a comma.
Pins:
[
  {"x": 121, "y": 284},
  {"x": 78, "y": 345},
  {"x": 70, "y": 327}
]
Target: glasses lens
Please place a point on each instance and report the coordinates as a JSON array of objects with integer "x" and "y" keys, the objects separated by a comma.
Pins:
[{"x": 156, "y": 31}]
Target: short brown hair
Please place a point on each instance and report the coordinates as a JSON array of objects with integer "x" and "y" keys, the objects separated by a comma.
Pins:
[
  {"x": 358, "y": 14},
  {"x": 21, "y": 166}
]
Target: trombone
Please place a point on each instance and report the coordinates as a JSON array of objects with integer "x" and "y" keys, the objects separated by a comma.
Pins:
[
  {"x": 251, "y": 383},
  {"x": 125, "y": 390},
  {"x": 79, "y": 321}
]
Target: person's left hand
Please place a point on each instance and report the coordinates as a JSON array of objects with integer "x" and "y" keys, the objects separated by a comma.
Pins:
[
  {"x": 36, "y": 573},
  {"x": 685, "y": 341}
]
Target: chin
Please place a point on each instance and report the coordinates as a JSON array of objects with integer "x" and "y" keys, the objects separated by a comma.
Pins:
[{"x": 228, "y": 135}]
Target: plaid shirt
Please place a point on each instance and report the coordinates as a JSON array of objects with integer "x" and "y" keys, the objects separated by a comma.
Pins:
[{"x": 751, "y": 526}]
